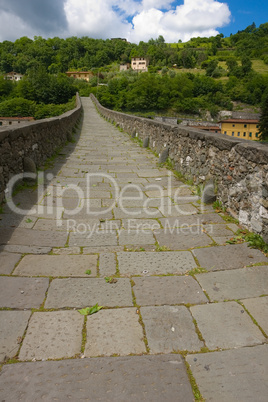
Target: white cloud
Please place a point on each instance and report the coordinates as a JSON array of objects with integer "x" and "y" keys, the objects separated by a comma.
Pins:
[
  {"x": 134, "y": 20},
  {"x": 96, "y": 19},
  {"x": 193, "y": 18}
]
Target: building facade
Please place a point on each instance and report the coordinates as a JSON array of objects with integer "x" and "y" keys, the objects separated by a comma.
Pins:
[
  {"x": 8, "y": 121},
  {"x": 80, "y": 75},
  {"x": 140, "y": 64},
  {"x": 241, "y": 128},
  {"x": 13, "y": 76}
]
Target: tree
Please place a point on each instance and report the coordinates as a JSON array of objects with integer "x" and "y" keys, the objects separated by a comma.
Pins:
[
  {"x": 263, "y": 126},
  {"x": 246, "y": 64}
]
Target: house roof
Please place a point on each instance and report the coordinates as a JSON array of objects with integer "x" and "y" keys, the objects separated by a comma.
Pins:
[
  {"x": 240, "y": 121},
  {"x": 17, "y": 118},
  {"x": 79, "y": 72}
]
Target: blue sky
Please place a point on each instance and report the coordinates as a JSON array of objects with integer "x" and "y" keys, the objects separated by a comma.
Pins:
[
  {"x": 136, "y": 20},
  {"x": 244, "y": 13}
]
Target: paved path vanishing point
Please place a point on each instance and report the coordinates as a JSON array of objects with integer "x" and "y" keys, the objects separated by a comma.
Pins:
[{"x": 180, "y": 307}]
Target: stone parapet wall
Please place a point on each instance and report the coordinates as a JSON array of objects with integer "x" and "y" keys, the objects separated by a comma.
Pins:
[
  {"x": 33, "y": 142},
  {"x": 237, "y": 168}
]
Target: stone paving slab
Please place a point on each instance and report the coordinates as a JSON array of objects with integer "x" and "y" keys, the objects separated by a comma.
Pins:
[
  {"x": 140, "y": 224},
  {"x": 138, "y": 237},
  {"x": 232, "y": 375},
  {"x": 176, "y": 192},
  {"x": 136, "y": 213},
  {"x": 170, "y": 328},
  {"x": 226, "y": 325},
  {"x": 28, "y": 237},
  {"x": 228, "y": 257},
  {"x": 114, "y": 331},
  {"x": 22, "y": 292},
  {"x": 52, "y": 224},
  {"x": 95, "y": 239},
  {"x": 191, "y": 220},
  {"x": 218, "y": 230},
  {"x": 8, "y": 262},
  {"x": 176, "y": 210},
  {"x": 168, "y": 290},
  {"x": 102, "y": 249},
  {"x": 115, "y": 379},
  {"x": 77, "y": 292},
  {"x": 107, "y": 264},
  {"x": 235, "y": 284},
  {"x": 19, "y": 221},
  {"x": 258, "y": 308},
  {"x": 182, "y": 239},
  {"x": 12, "y": 248},
  {"x": 12, "y": 327},
  {"x": 53, "y": 335},
  {"x": 152, "y": 172},
  {"x": 86, "y": 214},
  {"x": 66, "y": 250},
  {"x": 166, "y": 262},
  {"x": 57, "y": 265}
]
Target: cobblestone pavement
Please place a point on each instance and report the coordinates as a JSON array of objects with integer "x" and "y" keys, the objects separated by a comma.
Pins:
[{"x": 184, "y": 314}]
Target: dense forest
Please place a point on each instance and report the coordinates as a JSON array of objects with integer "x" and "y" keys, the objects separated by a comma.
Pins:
[{"x": 204, "y": 74}]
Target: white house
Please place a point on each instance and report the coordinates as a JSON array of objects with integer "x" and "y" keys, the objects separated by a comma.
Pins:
[
  {"x": 13, "y": 76},
  {"x": 140, "y": 63}
]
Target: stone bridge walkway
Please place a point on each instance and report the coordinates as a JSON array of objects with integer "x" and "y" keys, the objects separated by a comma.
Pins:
[{"x": 184, "y": 314}]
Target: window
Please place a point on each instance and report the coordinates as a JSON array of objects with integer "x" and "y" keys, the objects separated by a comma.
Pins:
[
  {"x": 225, "y": 132},
  {"x": 238, "y": 134},
  {"x": 257, "y": 126},
  {"x": 245, "y": 125},
  {"x": 10, "y": 122},
  {"x": 1, "y": 123},
  {"x": 233, "y": 125},
  {"x": 233, "y": 134},
  {"x": 256, "y": 135},
  {"x": 244, "y": 134},
  {"x": 250, "y": 134}
]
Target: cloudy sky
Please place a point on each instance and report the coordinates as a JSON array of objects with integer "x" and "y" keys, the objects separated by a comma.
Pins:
[{"x": 132, "y": 19}]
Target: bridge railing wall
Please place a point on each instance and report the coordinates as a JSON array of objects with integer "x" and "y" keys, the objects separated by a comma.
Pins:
[
  {"x": 30, "y": 144},
  {"x": 237, "y": 168}
]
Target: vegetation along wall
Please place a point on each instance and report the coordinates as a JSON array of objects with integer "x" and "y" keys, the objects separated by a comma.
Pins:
[
  {"x": 25, "y": 147},
  {"x": 237, "y": 168}
]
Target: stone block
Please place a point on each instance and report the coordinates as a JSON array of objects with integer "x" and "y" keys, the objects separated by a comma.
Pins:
[
  {"x": 12, "y": 327},
  {"x": 22, "y": 292},
  {"x": 258, "y": 308},
  {"x": 8, "y": 262},
  {"x": 166, "y": 262},
  {"x": 169, "y": 329},
  {"x": 232, "y": 375},
  {"x": 235, "y": 284},
  {"x": 168, "y": 290},
  {"x": 114, "y": 331},
  {"x": 57, "y": 265},
  {"x": 226, "y": 325},
  {"x": 228, "y": 257},
  {"x": 87, "y": 292},
  {"x": 53, "y": 335},
  {"x": 135, "y": 378}
]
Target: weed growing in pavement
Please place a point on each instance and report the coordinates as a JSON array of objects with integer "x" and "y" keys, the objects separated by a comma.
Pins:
[
  {"x": 197, "y": 271},
  {"x": 161, "y": 248},
  {"x": 256, "y": 241},
  {"x": 90, "y": 310},
  {"x": 217, "y": 205}
]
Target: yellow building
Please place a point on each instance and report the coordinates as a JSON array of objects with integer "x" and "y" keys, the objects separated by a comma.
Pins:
[
  {"x": 240, "y": 128},
  {"x": 80, "y": 75}
]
